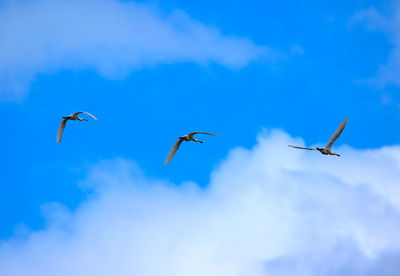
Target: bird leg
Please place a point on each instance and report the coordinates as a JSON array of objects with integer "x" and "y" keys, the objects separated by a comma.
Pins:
[{"x": 197, "y": 140}]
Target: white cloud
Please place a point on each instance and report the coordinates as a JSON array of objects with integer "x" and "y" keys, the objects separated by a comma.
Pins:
[
  {"x": 371, "y": 18},
  {"x": 374, "y": 20},
  {"x": 110, "y": 36},
  {"x": 297, "y": 50},
  {"x": 270, "y": 210}
]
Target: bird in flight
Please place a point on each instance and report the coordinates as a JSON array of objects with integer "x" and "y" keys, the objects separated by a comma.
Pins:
[
  {"x": 73, "y": 117},
  {"x": 187, "y": 137},
  {"x": 328, "y": 147}
]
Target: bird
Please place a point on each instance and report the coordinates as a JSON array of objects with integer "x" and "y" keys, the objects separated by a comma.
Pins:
[
  {"x": 187, "y": 137},
  {"x": 328, "y": 147},
  {"x": 73, "y": 116}
]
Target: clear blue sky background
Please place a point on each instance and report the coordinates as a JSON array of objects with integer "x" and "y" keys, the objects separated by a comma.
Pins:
[{"x": 321, "y": 78}]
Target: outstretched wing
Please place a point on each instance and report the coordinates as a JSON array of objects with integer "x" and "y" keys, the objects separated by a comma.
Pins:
[
  {"x": 300, "y": 147},
  {"x": 172, "y": 152},
  {"x": 61, "y": 129},
  {"x": 336, "y": 134},
  {"x": 199, "y": 132},
  {"x": 79, "y": 112}
]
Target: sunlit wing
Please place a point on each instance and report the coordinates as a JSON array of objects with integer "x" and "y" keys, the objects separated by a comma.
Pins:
[
  {"x": 172, "y": 152},
  {"x": 61, "y": 129},
  {"x": 336, "y": 134},
  {"x": 76, "y": 113},
  {"x": 300, "y": 147}
]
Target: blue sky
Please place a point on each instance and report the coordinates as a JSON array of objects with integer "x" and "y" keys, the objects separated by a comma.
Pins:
[{"x": 153, "y": 71}]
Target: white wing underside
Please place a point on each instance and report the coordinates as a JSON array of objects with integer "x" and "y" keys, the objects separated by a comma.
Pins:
[
  {"x": 174, "y": 149},
  {"x": 61, "y": 129},
  {"x": 336, "y": 134},
  {"x": 300, "y": 147}
]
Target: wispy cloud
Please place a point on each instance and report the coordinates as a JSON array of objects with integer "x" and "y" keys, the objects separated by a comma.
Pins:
[
  {"x": 374, "y": 20},
  {"x": 270, "y": 210},
  {"x": 110, "y": 36}
]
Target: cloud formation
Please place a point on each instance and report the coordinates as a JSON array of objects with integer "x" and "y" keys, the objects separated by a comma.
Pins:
[
  {"x": 373, "y": 20},
  {"x": 269, "y": 210},
  {"x": 112, "y": 37}
]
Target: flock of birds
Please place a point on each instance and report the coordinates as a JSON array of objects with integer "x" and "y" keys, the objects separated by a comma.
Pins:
[{"x": 190, "y": 137}]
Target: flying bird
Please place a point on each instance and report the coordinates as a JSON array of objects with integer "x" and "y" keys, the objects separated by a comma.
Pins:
[
  {"x": 73, "y": 117},
  {"x": 328, "y": 147},
  {"x": 187, "y": 137}
]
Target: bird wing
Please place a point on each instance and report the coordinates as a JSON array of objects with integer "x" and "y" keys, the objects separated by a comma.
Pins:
[
  {"x": 336, "y": 134},
  {"x": 172, "y": 152},
  {"x": 61, "y": 129},
  {"x": 199, "y": 132},
  {"x": 300, "y": 147},
  {"x": 79, "y": 112}
]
